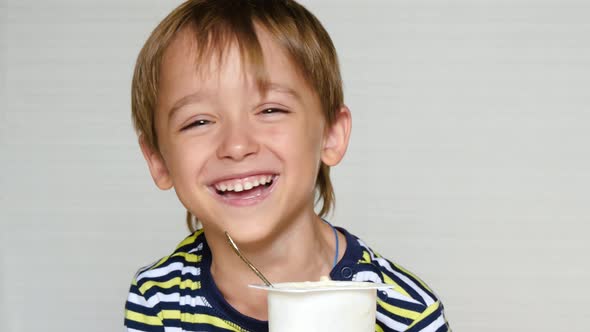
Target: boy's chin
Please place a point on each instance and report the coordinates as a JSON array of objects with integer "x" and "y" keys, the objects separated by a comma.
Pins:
[{"x": 250, "y": 231}]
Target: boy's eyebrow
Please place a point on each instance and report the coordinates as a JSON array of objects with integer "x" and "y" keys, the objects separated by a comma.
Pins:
[
  {"x": 188, "y": 99},
  {"x": 282, "y": 89}
]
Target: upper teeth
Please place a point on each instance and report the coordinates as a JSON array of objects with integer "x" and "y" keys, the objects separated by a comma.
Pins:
[{"x": 243, "y": 184}]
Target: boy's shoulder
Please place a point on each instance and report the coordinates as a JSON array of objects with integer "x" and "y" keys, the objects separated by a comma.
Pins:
[
  {"x": 172, "y": 270},
  {"x": 410, "y": 305},
  {"x": 172, "y": 289},
  {"x": 368, "y": 265}
]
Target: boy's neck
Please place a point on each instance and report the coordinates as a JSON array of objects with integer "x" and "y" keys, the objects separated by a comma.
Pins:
[{"x": 302, "y": 252}]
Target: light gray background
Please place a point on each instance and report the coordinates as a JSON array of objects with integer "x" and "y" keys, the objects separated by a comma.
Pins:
[{"x": 469, "y": 162}]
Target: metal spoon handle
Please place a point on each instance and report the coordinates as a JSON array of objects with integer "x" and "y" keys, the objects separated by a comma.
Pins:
[{"x": 250, "y": 265}]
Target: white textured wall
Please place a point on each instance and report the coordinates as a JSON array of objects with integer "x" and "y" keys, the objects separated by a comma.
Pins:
[{"x": 469, "y": 162}]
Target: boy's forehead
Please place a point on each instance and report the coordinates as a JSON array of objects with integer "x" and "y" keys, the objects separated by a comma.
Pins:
[{"x": 183, "y": 55}]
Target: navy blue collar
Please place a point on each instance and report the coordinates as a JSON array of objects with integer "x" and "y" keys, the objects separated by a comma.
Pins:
[{"x": 343, "y": 270}]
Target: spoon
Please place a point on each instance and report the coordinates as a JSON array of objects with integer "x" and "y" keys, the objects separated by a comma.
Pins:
[{"x": 250, "y": 265}]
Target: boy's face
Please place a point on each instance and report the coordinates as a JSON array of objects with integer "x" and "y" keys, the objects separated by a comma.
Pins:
[{"x": 240, "y": 159}]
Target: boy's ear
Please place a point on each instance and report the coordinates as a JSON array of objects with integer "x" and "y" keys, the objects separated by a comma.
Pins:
[
  {"x": 156, "y": 164},
  {"x": 336, "y": 138}
]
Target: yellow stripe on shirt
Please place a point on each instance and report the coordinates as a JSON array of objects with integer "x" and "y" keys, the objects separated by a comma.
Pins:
[
  {"x": 160, "y": 262},
  {"x": 197, "y": 319},
  {"x": 183, "y": 284},
  {"x": 413, "y": 315},
  {"x": 367, "y": 260},
  {"x": 141, "y": 318},
  {"x": 189, "y": 240},
  {"x": 190, "y": 258},
  {"x": 396, "y": 286},
  {"x": 366, "y": 257},
  {"x": 432, "y": 308}
]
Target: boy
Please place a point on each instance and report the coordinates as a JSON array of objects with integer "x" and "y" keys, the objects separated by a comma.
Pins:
[{"x": 239, "y": 108}]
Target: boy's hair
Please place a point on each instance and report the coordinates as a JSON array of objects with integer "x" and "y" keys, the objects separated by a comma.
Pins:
[{"x": 217, "y": 24}]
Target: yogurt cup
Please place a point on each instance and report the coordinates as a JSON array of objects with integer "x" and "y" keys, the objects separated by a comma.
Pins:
[{"x": 314, "y": 306}]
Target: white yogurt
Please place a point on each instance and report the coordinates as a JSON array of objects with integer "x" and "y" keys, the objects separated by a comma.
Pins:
[{"x": 343, "y": 306}]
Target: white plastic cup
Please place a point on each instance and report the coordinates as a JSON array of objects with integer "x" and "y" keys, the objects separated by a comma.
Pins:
[{"x": 342, "y": 306}]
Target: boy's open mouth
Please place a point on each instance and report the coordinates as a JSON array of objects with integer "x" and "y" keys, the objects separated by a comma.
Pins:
[{"x": 245, "y": 191}]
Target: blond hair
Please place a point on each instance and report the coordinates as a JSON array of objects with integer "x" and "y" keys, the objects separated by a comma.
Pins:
[{"x": 217, "y": 24}]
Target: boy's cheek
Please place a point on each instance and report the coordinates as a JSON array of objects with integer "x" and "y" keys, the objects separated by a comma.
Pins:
[
  {"x": 293, "y": 130},
  {"x": 186, "y": 142},
  {"x": 274, "y": 133},
  {"x": 271, "y": 135},
  {"x": 185, "y": 158}
]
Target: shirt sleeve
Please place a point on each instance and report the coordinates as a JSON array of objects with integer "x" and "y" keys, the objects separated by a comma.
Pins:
[
  {"x": 142, "y": 314},
  {"x": 431, "y": 320}
]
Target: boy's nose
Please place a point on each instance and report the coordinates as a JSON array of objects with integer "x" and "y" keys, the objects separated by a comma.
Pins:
[{"x": 237, "y": 142}]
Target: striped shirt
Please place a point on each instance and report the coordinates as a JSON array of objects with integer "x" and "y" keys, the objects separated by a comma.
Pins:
[{"x": 177, "y": 293}]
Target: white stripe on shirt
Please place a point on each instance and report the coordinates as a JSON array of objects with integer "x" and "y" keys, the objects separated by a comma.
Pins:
[
  {"x": 384, "y": 263},
  {"x": 432, "y": 327},
  {"x": 390, "y": 323},
  {"x": 165, "y": 270}
]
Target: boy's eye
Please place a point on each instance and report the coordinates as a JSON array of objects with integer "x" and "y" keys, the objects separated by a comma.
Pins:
[
  {"x": 272, "y": 111},
  {"x": 197, "y": 123}
]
